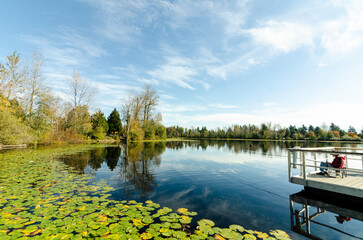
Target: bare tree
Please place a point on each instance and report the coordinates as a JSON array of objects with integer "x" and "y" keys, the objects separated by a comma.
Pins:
[
  {"x": 150, "y": 100},
  {"x": 127, "y": 109},
  {"x": 80, "y": 91},
  {"x": 34, "y": 83},
  {"x": 138, "y": 105}
]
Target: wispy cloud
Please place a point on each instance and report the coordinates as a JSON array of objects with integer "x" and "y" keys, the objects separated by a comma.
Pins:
[
  {"x": 107, "y": 76},
  {"x": 282, "y": 36},
  {"x": 124, "y": 20},
  {"x": 172, "y": 73},
  {"x": 183, "y": 71},
  {"x": 345, "y": 33},
  {"x": 269, "y": 104},
  {"x": 166, "y": 96},
  {"x": 222, "y": 106},
  {"x": 166, "y": 107}
]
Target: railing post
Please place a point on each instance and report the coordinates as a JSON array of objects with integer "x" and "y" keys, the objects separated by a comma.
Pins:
[
  {"x": 301, "y": 162},
  {"x": 315, "y": 163},
  {"x": 304, "y": 167},
  {"x": 346, "y": 161}
]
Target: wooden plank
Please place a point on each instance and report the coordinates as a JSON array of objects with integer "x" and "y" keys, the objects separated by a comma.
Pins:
[{"x": 352, "y": 186}]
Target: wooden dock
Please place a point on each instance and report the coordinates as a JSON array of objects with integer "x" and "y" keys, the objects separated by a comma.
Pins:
[{"x": 307, "y": 176}]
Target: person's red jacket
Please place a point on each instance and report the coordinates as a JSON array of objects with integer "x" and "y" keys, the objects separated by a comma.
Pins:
[{"x": 339, "y": 162}]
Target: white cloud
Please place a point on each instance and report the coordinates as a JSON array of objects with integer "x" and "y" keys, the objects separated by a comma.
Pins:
[
  {"x": 179, "y": 75},
  {"x": 241, "y": 63},
  {"x": 345, "y": 33},
  {"x": 166, "y": 96},
  {"x": 181, "y": 71},
  {"x": 282, "y": 36},
  {"x": 269, "y": 104},
  {"x": 107, "y": 76},
  {"x": 222, "y": 106},
  {"x": 125, "y": 20},
  {"x": 166, "y": 108}
]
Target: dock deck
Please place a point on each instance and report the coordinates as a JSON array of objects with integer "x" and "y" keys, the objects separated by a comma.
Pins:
[{"x": 351, "y": 185}]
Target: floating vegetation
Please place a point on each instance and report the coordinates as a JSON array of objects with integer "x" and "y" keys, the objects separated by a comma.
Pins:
[{"x": 45, "y": 199}]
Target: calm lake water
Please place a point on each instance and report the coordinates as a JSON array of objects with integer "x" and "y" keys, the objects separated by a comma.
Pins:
[{"x": 229, "y": 182}]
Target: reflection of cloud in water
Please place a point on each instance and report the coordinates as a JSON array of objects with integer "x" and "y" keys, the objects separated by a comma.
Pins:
[
  {"x": 206, "y": 192},
  {"x": 225, "y": 157},
  {"x": 179, "y": 195}
]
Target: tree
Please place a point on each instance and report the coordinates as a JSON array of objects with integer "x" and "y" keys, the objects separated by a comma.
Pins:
[
  {"x": 334, "y": 127},
  {"x": 44, "y": 115},
  {"x": 33, "y": 84},
  {"x": 12, "y": 76},
  {"x": 149, "y": 128},
  {"x": 352, "y": 130},
  {"x": 127, "y": 113},
  {"x": 99, "y": 125},
  {"x": 160, "y": 132},
  {"x": 303, "y": 129},
  {"x": 138, "y": 104},
  {"x": 12, "y": 130},
  {"x": 80, "y": 93},
  {"x": 79, "y": 120},
  {"x": 114, "y": 123},
  {"x": 135, "y": 131},
  {"x": 150, "y": 101}
]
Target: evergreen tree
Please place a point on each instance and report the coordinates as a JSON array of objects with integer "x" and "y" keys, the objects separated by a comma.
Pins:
[
  {"x": 99, "y": 125},
  {"x": 114, "y": 123},
  {"x": 352, "y": 129}
]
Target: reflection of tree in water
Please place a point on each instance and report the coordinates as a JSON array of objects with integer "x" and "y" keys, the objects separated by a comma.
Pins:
[
  {"x": 77, "y": 161},
  {"x": 93, "y": 158},
  {"x": 112, "y": 157},
  {"x": 237, "y": 146},
  {"x": 136, "y": 166},
  {"x": 175, "y": 145},
  {"x": 97, "y": 157}
]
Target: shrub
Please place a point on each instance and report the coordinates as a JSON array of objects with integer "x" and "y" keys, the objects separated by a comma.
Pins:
[{"x": 12, "y": 130}]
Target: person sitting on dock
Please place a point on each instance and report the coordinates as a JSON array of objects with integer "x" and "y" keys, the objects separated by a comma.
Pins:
[{"x": 338, "y": 162}]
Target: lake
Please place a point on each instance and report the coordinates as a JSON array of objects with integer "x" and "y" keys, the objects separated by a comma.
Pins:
[{"x": 229, "y": 182}]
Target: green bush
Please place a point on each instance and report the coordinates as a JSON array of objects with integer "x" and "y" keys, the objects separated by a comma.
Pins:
[{"x": 12, "y": 130}]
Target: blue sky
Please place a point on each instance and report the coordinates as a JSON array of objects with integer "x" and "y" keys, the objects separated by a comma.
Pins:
[{"x": 213, "y": 63}]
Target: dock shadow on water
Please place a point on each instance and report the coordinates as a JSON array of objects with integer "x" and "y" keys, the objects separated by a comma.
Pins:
[{"x": 229, "y": 182}]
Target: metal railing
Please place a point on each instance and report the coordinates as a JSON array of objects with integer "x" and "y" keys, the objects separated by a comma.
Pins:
[{"x": 297, "y": 157}]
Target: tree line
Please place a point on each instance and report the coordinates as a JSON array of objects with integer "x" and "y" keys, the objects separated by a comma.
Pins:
[
  {"x": 30, "y": 111},
  {"x": 268, "y": 131}
]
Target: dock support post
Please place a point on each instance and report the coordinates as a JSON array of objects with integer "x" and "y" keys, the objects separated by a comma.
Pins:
[
  {"x": 289, "y": 163},
  {"x": 292, "y": 214},
  {"x": 307, "y": 218}
]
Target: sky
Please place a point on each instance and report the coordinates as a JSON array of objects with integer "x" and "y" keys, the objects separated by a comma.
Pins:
[{"x": 213, "y": 63}]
